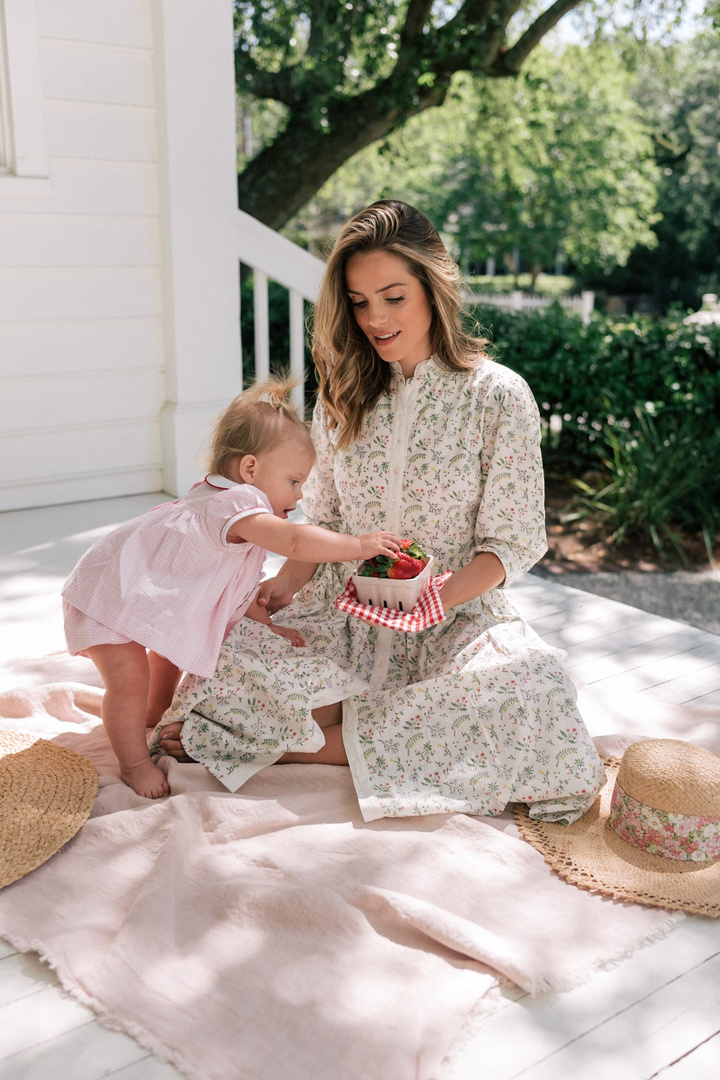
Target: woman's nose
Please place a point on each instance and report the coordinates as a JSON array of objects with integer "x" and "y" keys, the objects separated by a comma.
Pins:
[{"x": 378, "y": 317}]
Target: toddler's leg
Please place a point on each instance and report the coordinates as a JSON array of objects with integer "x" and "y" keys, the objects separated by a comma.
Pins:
[
  {"x": 164, "y": 679},
  {"x": 126, "y": 674}
]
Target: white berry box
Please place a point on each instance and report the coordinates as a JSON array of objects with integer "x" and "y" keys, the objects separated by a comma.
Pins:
[{"x": 398, "y": 594}]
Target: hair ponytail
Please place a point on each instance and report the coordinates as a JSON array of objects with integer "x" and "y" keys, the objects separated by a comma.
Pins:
[{"x": 255, "y": 421}]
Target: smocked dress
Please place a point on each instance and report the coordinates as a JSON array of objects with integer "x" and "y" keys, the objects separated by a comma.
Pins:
[
  {"x": 170, "y": 579},
  {"x": 466, "y": 716}
]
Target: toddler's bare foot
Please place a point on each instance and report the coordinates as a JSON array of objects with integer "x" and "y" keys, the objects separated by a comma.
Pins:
[
  {"x": 171, "y": 743},
  {"x": 146, "y": 779}
]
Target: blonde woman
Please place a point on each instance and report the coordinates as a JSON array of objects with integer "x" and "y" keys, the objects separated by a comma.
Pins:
[{"x": 419, "y": 432}]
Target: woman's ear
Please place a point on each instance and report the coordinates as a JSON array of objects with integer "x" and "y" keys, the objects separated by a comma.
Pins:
[{"x": 244, "y": 468}]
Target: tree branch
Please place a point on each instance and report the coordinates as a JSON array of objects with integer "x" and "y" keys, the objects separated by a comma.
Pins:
[
  {"x": 510, "y": 62},
  {"x": 277, "y": 85},
  {"x": 417, "y": 15}
]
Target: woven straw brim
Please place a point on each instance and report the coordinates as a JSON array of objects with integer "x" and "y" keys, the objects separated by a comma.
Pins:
[
  {"x": 590, "y": 855},
  {"x": 46, "y": 794}
]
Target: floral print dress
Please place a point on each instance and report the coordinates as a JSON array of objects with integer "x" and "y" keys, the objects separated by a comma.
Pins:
[{"x": 466, "y": 716}]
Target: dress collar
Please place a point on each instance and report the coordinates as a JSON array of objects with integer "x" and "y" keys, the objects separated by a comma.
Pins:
[
  {"x": 217, "y": 481},
  {"x": 424, "y": 366}
]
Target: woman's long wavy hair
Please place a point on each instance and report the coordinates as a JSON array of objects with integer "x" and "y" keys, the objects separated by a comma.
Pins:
[{"x": 351, "y": 375}]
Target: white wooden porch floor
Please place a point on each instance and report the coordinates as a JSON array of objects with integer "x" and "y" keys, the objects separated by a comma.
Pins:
[{"x": 654, "y": 1015}]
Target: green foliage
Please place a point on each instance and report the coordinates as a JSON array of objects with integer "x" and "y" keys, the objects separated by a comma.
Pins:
[
  {"x": 634, "y": 404},
  {"x": 349, "y": 74},
  {"x": 678, "y": 88},
  {"x": 659, "y": 478}
]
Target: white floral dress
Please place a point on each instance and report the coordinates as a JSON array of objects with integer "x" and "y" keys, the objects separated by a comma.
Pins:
[{"x": 466, "y": 716}]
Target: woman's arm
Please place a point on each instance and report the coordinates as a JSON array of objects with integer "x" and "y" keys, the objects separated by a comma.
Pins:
[
  {"x": 510, "y": 522},
  {"x": 484, "y": 572},
  {"x": 276, "y": 593}
]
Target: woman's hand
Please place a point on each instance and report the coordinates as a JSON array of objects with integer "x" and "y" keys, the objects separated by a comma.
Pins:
[
  {"x": 274, "y": 594},
  {"x": 379, "y": 543},
  {"x": 294, "y": 636}
]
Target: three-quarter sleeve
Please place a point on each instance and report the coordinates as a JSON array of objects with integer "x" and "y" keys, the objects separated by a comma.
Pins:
[
  {"x": 321, "y": 505},
  {"x": 511, "y": 516}
]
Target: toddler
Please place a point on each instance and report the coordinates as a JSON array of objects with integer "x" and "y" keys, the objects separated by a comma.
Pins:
[{"x": 158, "y": 595}]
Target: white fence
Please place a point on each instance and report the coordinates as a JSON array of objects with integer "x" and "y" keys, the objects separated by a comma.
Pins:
[{"x": 582, "y": 305}]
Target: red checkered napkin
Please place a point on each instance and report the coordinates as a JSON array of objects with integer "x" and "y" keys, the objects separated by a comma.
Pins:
[{"x": 427, "y": 612}]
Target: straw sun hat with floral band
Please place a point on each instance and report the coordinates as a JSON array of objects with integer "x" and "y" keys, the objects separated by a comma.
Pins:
[
  {"x": 652, "y": 836},
  {"x": 46, "y": 794}
]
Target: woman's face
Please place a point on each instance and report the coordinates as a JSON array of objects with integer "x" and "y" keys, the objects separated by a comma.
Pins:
[{"x": 391, "y": 308}]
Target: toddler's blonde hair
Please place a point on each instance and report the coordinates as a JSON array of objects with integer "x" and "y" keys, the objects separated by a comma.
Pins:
[{"x": 255, "y": 421}]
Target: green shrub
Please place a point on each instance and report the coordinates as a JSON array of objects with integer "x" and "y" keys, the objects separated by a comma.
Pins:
[
  {"x": 638, "y": 399},
  {"x": 659, "y": 478}
]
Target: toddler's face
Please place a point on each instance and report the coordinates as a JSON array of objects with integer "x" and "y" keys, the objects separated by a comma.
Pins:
[{"x": 281, "y": 472}]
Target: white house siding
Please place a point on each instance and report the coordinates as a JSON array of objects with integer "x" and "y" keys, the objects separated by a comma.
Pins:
[
  {"x": 89, "y": 270},
  {"x": 81, "y": 336}
]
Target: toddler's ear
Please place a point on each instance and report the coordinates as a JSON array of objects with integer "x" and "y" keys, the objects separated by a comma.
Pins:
[{"x": 243, "y": 469}]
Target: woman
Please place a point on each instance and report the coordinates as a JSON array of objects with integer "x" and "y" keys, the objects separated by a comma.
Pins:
[{"x": 417, "y": 431}]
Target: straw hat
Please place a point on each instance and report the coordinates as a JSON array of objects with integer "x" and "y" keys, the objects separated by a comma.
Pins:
[
  {"x": 652, "y": 835},
  {"x": 46, "y": 794}
]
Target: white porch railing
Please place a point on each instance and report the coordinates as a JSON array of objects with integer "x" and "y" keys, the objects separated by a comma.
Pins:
[{"x": 272, "y": 256}]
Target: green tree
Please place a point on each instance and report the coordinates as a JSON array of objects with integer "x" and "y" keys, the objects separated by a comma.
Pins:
[
  {"x": 555, "y": 158},
  {"x": 349, "y": 73},
  {"x": 678, "y": 88}
]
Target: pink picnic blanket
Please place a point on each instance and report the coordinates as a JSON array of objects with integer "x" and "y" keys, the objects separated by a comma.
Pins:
[{"x": 272, "y": 933}]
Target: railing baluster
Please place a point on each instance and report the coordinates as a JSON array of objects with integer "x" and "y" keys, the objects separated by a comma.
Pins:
[
  {"x": 297, "y": 348},
  {"x": 272, "y": 256},
  {"x": 262, "y": 324}
]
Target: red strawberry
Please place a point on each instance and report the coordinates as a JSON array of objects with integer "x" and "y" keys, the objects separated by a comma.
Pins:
[{"x": 406, "y": 567}]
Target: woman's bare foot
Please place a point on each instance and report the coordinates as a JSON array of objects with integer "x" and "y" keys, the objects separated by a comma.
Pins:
[
  {"x": 171, "y": 744},
  {"x": 146, "y": 779}
]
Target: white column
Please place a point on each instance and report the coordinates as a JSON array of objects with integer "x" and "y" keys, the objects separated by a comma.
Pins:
[{"x": 195, "y": 86}]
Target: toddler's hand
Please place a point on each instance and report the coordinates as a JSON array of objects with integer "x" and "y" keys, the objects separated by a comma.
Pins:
[
  {"x": 379, "y": 543},
  {"x": 294, "y": 636}
]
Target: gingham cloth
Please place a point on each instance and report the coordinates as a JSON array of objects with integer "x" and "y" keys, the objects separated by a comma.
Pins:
[{"x": 427, "y": 612}]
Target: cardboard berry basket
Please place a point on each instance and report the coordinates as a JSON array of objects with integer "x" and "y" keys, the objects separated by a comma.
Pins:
[{"x": 401, "y": 595}]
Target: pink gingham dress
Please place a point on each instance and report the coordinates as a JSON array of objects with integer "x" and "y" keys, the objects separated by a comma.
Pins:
[{"x": 170, "y": 579}]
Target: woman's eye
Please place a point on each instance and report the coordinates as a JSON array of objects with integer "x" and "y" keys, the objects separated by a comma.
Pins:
[
  {"x": 359, "y": 303},
  {"x": 394, "y": 299}
]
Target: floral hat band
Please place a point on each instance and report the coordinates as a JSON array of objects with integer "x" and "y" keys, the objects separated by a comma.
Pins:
[
  {"x": 651, "y": 836},
  {"x": 674, "y": 836}
]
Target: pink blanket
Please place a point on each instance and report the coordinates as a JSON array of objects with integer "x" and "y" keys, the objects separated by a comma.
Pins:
[{"x": 273, "y": 933}]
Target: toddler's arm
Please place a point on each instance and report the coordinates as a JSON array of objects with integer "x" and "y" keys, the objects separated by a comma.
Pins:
[
  {"x": 259, "y": 614},
  {"x": 311, "y": 543}
]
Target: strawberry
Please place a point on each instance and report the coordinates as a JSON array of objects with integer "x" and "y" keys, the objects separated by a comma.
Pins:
[
  {"x": 410, "y": 563},
  {"x": 406, "y": 566}
]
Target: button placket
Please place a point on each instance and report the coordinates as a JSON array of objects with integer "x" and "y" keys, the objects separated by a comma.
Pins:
[{"x": 405, "y": 398}]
